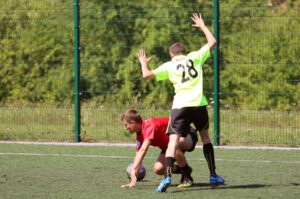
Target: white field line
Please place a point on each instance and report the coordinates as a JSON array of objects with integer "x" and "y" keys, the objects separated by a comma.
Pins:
[
  {"x": 127, "y": 144},
  {"x": 129, "y": 157}
]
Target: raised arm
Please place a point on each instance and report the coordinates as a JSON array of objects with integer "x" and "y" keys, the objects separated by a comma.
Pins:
[
  {"x": 211, "y": 41},
  {"x": 147, "y": 74}
]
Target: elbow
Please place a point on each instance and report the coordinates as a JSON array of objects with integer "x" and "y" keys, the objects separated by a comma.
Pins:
[
  {"x": 145, "y": 76},
  {"x": 212, "y": 43}
]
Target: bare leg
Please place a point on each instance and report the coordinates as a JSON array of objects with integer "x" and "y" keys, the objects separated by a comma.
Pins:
[
  {"x": 180, "y": 158},
  {"x": 170, "y": 153},
  {"x": 159, "y": 165},
  {"x": 185, "y": 143},
  {"x": 205, "y": 137},
  {"x": 173, "y": 145}
]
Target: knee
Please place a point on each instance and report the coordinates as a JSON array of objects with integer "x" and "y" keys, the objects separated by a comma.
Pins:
[
  {"x": 179, "y": 152},
  {"x": 158, "y": 168},
  {"x": 206, "y": 141}
]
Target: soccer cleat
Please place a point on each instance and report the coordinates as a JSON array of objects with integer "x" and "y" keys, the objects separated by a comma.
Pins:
[
  {"x": 185, "y": 183},
  {"x": 186, "y": 179},
  {"x": 164, "y": 185},
  {"x": 216, "y": 180}
]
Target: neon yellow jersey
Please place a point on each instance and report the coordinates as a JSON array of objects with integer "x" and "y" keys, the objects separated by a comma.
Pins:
[{"x": 185, "y": 73}]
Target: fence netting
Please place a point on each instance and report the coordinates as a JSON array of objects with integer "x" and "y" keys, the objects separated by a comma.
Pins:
[{"x": 259, "y": 67}]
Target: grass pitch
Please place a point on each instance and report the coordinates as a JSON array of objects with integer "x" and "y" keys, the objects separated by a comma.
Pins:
[{"x": 60, "y": 171}]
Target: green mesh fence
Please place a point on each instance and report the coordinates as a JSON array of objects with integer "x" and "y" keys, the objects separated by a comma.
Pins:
[
  {"x": 259, "y": 67},
  {"x": 36, "y": 70},
  {"x": 259, "y": 73}
]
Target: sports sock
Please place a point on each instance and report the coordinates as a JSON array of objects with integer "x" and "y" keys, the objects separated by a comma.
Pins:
[
  {"x": 169, "y": 165},
  {"x": 208, "y": 151},
  {"x": 186, "y": 171},
  {"x": 176, "y": 169}
]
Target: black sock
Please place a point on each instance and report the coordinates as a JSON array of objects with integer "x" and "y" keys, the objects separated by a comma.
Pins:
[
  {"x": 169, "y": 162},
  {"x": 186, "y": 171},
  {"x": 208, "y": 151},
  {"x": 177, "y": 169}
]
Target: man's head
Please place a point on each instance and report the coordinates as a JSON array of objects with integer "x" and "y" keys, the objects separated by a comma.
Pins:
[
  {"x": 132, "y": 121},
  {"x": 177, "y": 49}
]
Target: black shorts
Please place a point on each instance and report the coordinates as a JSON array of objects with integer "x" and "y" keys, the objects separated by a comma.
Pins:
[{"x": 182, "y": 118}]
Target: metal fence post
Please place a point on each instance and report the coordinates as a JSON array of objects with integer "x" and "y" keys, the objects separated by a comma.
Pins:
[
  {"x": 216, "y": 75},
  {"x": 77, "y": 68}
]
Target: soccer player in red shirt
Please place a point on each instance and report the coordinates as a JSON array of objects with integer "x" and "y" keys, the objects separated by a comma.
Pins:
[{"x": 152, "y": 132}]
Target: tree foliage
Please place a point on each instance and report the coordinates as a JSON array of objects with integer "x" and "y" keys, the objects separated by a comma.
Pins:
[{"x": 259, "y": 47}]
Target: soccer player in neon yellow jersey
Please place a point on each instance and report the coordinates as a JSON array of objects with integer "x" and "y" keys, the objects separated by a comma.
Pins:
[{"x": 189, "y": 104}]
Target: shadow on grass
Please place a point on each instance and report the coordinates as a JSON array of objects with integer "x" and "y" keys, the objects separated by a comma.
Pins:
[
  {"x": 206, "y": 186},
  {"x": 202, "y": 186},
  {"x": 295, "y": 184}
]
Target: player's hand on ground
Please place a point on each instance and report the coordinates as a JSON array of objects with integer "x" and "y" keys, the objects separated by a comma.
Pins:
[
  {"x": 198, "y": 20},
  {"x": 128, "y": 185},
  {"x": 132, "y": 183},
  {"x": 142, "y": 57}
]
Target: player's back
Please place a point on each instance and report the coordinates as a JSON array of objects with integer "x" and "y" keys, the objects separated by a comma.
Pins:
[
  {"x": 160, "y": 125},
  {"x": 187, "y": 82}
]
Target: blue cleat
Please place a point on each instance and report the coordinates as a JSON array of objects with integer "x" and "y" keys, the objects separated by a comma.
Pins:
[
  {"x": 164, "y": 185},
  {"x": 216, "y": 180}
]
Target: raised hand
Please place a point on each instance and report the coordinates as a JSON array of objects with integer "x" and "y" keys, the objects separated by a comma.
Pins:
[
  {"x": 198, "y": 20},
  {"x": 142, "y": 57}
]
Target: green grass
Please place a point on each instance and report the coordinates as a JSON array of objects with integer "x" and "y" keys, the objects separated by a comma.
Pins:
[
  {"x": 102, "y": 123},
  {"x": 51, "y": 171}
]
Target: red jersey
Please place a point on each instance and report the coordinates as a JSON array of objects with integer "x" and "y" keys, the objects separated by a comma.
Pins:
[{"x": 154, "y": 129}]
